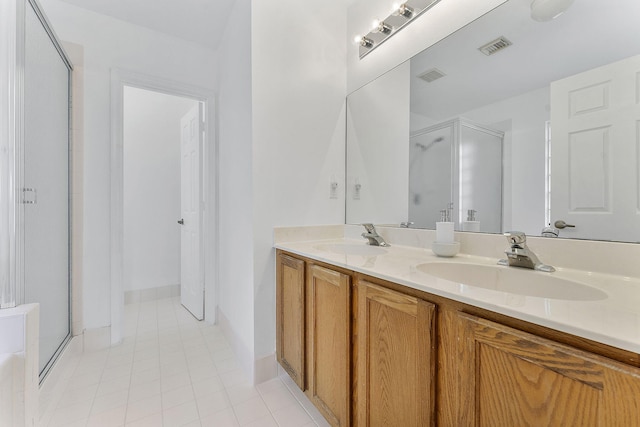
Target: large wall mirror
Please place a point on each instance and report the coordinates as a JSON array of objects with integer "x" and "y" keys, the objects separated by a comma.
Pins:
[{"x": 513, "y": 123}]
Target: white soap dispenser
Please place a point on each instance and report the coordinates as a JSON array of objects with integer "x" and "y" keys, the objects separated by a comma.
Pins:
[
  {"x": 444, "y": 245},
  {"x": 471, "y": 224},
  {"x": 444, "y": 228}
]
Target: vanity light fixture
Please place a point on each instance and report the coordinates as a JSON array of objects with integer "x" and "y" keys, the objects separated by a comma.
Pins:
[{"x": 401, "y": 15}]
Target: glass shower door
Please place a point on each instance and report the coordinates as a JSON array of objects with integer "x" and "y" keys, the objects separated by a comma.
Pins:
[{"x": 46, "y": 186}]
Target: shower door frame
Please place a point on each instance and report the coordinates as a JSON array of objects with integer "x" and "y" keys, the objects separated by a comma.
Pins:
[{"x": 12, "y": 177}]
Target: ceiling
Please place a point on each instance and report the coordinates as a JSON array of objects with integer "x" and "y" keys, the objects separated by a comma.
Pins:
[{"x": 198, "y": 21}]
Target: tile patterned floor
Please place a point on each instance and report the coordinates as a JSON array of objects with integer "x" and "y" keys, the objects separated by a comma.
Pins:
[{"x": 170, "y": 370}]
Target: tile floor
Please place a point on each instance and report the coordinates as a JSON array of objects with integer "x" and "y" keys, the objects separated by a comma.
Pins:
[{"x": 170, "y": 370}]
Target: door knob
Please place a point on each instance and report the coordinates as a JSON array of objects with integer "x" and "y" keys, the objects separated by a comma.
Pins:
[
  {"x": 181, "y": 221},
  {"x": 561, "y": 224}
]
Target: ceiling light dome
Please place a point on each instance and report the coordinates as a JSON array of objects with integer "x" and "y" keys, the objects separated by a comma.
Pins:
[{"x": 546, "y": 10}]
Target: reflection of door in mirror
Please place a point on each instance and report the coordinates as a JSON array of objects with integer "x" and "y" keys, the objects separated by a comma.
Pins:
[
  {"x": 595, "y": 140},
  {"x": 460, "y": 163}
]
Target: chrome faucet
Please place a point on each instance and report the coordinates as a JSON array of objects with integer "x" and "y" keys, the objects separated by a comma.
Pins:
[
  {"x": 519, "y": 255},
  {"x": 372, "y": 235}
]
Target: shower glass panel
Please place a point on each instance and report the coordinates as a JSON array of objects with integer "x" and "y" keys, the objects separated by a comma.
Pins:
[
  {"x": 480, "y": 162},
  {"x": 430, "y": 174},
  {"x": 46, "y": 186}
]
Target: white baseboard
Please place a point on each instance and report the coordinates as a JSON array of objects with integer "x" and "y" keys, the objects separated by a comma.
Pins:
[
  {"x": 150, "y": 294},
  {"x": 265, "y": 368},
  {"x": 242, "y": 353},
  {"x": 313, "y": 412},
  {"x": 257, "y": 370}
]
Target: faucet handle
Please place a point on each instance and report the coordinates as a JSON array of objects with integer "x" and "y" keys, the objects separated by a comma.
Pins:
[{"x": 516, "y": 237}]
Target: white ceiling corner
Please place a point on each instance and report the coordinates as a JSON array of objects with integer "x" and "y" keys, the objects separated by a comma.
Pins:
[{"x": 198, "y": 21}]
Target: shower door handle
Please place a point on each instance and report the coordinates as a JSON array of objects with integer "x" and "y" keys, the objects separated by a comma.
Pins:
[{"x": 181, "y": 221}]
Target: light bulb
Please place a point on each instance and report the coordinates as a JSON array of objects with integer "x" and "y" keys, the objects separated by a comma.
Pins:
[
  {"x": 357, "y": 39},
  {"x": 365, "y": 42},
  {"x": 375, "y": 24},
  {"x": 405, "y": 10}
]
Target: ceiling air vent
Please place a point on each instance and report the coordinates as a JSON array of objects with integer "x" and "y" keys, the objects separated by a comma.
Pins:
[
  {"x": 431, "y": 75},
  {"x": 495, "y": 46}
]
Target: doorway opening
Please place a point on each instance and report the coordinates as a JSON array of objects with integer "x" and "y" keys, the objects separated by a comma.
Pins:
[
  {"x": 163, "y": 210},
  {"x": 157, "y": 263}
]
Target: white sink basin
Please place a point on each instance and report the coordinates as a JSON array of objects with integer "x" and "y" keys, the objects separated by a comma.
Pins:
[
  {"x": 513, "y": 280},
  {"x": 352, "y": 249}
]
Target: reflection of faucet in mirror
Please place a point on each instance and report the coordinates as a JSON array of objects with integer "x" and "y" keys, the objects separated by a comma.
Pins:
[
  {"x": 372, "y": 235},
  {"x": 550, "y": 232},
  {"x": 519, "y": 255}
]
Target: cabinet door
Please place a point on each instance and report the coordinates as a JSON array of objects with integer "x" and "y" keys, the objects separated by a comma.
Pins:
[
  {"x": 328, "y": 342},
  {"x": 290, "y": 340},
  {"x": 395, "y": 358},
  {"x": 509, "y": 377}
]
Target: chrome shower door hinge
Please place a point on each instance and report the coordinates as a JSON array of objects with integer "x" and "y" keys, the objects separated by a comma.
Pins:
[{"x": 29, "y": 196}]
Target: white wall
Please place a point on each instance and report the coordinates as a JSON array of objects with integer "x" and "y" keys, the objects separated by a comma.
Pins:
[
  {"x": 151, "y": 129},
  {"x": 437, "y": 23},
  {"x": 522, "y": 118},
  {"x": 299, "y": 87},
  {"x": 109, "y": 43},
  {"x": 378, "y": 149},
  {"x": 236, "y": 298},
  {"x": 281, "y": 128}
]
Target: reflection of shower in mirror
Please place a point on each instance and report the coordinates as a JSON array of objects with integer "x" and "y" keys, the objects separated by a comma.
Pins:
[
  {"x": 424, "y": 147},
  {"x": 456, "y": 162},
  {"x": 416, "y": 193}
]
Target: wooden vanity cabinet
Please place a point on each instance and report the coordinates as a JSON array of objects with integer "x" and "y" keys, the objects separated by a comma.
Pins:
[
  {"x": 372, "y": 353},
  {"x": 329, "y": 343},
  {"x": 497, "y": 375},
  {"x": 313, "y": 333},
  {"x": 290, "y": 317},
  {"x": 395, "y": 367}
]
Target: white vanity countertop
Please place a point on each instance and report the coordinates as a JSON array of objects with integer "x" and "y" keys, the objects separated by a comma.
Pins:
[{"x": 613, "y": 319}]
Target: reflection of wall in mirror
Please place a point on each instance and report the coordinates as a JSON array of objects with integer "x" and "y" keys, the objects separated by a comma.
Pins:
[{"x": 377, "y": 153}]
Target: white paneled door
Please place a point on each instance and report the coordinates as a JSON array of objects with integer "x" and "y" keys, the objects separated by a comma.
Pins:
[
  {"x": 595, "y": 131},
  {"x": 191, "y": 276}
]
